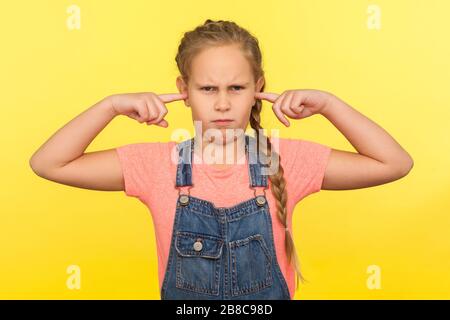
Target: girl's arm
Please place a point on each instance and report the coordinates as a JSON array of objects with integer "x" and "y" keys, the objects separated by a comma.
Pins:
[
  {"x": 380, "y": 159},
  {"x": 63, "y": 159}
]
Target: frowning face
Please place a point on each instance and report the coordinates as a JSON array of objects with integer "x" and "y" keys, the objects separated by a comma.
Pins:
[{"x": 221, "y": 86}]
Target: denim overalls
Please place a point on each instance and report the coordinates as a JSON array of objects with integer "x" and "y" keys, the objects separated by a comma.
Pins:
[{"x": 222, "y": 253}]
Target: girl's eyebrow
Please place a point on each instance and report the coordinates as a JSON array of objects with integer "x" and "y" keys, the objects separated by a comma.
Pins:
[{"x": 231, "y": 85}]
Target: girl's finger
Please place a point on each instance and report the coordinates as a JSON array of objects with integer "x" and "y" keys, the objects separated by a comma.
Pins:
[
  {"x": 142, "y": 110},
  {"x": 280, "y": 116},
  {"x": 169, "y": 97},
  {"x": 278, "y": 112},
  {"x": 163, "y": 123},
  {"x": 296, "y": 104},
  {"x": 162, "y": 110},
  {"x": 152, "y": 113},
  {"x": 286, "y": 105},
  {"x": 267, "y": 96},
  {"x": 297, "y": 110},
  {"x": 134, "y": 115}
]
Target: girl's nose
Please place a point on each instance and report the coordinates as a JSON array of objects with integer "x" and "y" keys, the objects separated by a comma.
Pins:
[
  {"x": 222, "y": 103},
  {"x": 222, "y": 106}
]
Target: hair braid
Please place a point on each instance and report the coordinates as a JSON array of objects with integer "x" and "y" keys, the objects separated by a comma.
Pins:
[{"x": 279, "y": 191}]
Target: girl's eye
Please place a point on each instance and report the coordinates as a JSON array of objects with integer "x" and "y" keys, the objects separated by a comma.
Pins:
[{"x": 206, "y": 88}]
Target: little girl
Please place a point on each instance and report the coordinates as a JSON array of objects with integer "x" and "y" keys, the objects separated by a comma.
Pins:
[{"x": 223, "y": 230}]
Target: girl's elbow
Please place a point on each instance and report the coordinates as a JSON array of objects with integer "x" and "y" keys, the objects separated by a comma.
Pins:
[
  {"x": 405, "y": 167},
  {"x": 36, "y": 166}
]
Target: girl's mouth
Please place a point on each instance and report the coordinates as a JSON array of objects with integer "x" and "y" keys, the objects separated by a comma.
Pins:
[{"x": 223, "y": 122}]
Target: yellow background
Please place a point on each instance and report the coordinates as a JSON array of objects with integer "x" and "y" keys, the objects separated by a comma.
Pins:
[{"x": 398, "y": 76}]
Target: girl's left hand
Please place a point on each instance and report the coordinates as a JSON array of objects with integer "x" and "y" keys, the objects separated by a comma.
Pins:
[{"x": 296, "y": 104}]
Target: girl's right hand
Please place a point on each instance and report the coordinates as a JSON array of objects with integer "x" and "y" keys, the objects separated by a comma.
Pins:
[{"x": 144, "y": 106}]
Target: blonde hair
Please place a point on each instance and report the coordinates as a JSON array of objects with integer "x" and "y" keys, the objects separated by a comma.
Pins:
[{"x": 218, "y": 33}]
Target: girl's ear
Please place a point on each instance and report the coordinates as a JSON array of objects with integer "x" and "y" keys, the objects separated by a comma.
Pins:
[
  {"x": 260, "y": 83},
  {"x": 182, "y": 88},
  {"x": 258, "y": 86}
]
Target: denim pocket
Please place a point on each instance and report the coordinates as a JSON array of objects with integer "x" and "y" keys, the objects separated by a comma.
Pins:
[
  {"x": 251, "y": 265},
  {"x": 198, "y": 262}
]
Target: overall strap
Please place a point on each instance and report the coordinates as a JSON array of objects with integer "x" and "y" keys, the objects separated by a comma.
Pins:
[
  {"x": 257, "y": 178},
  {"x": 184, "y": 168}
]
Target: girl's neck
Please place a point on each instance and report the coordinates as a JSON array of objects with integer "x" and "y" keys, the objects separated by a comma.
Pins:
[{"x": 222, "y": 155}]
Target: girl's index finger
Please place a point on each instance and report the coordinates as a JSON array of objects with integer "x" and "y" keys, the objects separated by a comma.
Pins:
[
  {"x": 169, "y": 97},
  {"x": 266, "y": 96}
]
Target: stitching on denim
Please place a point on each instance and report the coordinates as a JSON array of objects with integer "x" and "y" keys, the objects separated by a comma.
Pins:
[
  {"x": 267, "y": 282},
  {"x": 276, "y": 265},
  {"x": 182, "y": 284},
  {"x": 187, "y": 251}
]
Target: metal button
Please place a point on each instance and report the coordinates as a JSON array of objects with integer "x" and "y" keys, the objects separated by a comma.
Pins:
[
  {"x": 184, "y": 200},
  {"x": 198, "y": 245},
  {"x": 260, "y": 200}
]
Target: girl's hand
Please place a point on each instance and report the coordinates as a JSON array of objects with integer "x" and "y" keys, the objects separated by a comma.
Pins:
[
  {"x": 144, "y": 106},
  {"x": 296, "y": 104}
]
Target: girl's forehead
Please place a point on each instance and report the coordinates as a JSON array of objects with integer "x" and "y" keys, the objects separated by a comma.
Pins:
[
  {"x": 217, "y": 71},
  {"x": 220, "y": 58}
]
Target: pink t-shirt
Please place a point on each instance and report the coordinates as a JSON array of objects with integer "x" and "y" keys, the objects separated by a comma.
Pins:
[{"x": 149, "y": 175}]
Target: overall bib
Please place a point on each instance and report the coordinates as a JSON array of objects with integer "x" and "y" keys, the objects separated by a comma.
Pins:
[{"x": 222, "y": 253}]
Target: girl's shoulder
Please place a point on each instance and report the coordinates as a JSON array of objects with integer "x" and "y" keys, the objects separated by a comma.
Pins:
[
  {"x": 145, "y": 164},
  {"x": 146, "y": 152}
]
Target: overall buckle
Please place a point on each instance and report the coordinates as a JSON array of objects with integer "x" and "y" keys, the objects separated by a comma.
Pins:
[
  {"x": 260, "y": 199},
  {"x": 183, "y": 199}
]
